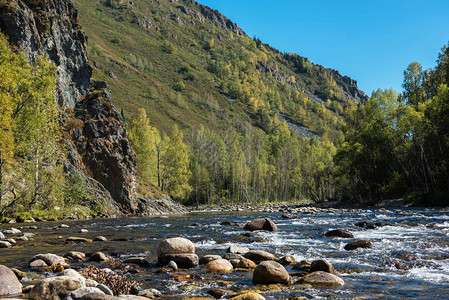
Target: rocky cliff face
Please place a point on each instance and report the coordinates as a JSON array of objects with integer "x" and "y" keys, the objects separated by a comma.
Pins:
[{"x": 96, "y": 136}]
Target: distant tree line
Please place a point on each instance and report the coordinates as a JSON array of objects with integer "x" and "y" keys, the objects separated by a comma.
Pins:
[{"x": 213, "y": 167}]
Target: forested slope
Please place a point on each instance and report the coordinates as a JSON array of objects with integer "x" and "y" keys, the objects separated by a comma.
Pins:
[
  {"x": 187, "y": 64},
  {"x": 232, "y": 97}
]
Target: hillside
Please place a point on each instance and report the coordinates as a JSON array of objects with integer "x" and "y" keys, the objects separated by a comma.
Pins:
[{"x": 189, "y": 65}]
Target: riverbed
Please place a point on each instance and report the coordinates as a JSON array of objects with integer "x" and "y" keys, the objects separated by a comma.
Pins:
[{"x": 377, "y": 272}]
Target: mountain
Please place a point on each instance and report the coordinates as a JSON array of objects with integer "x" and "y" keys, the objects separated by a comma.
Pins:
[
  {"x": 185, "y": 64},
  {"x": 188, "y": 64}
]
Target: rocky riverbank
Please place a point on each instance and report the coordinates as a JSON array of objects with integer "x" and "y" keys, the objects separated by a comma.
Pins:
[{"x": 97, "y": 275}]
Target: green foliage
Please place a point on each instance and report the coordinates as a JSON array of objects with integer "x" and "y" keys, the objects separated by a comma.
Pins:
[
  {"x": 397, "y": 146},
  {"x": 118, "y": 3},
  {"x": 179, "y": 86},
  {"x": 30, "y": 125},
  {"x": 144, "y": 139},
  {"x": 213, "y": 64},
  {"x": 168, "y": 47},
  {"x": 75, "y": 191},
  {"x": 174, "y": 165},
  {"x": 31, "y": 176},
  {"x": 203, "y": 79}
]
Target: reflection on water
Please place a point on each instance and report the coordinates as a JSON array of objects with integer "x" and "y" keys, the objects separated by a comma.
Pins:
[{"x": 369, "y": 273}]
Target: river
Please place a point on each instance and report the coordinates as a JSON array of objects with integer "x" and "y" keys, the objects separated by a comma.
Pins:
[{"x": 368, "y": 273}]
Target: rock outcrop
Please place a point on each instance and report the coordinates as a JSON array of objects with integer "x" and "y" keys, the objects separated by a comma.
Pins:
[
  {"x": 214, "y": 16},
  {"x": 97, "y": 141}
]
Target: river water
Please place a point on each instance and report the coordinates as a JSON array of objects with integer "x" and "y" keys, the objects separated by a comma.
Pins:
[{"x": 368, "y": 273}]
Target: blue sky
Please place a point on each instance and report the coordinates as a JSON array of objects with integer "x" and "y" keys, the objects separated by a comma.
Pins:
[{"x": 372, "y": 41}]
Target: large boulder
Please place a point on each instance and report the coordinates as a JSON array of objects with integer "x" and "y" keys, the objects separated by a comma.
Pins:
[
  {"x": 269, "y": 272},
  {"x": 322, "y": 265},
  {"x": 322, "y": 279},
  {"x": 339, "y": 232},
  {"x": 177, "y": 245},
  {"x": 219, "y": 266},
  {"x": 259, "y": 255},
  {"x": 358, "y": 244},
  {"x": 55, "y": 287},
  {"x": 9, "y": 284},
  {"x": 50, "y": 259},
  {"x": 261, "y": 224}
]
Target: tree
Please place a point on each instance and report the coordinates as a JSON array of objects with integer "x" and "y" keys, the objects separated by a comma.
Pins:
[
  {"x": 175, "y": 165},
  {"x": 144, "y": 139},
  {"x": 7, "y": 83},
  {"x": 368, "y": 155},
  {"x": 413, "y": 80},
  {"x": 30, "y": 125}
]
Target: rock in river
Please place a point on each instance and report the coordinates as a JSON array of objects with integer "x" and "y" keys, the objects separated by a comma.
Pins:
[
  {"x": 55, "y": 287},
  {"x": 141, "y": 261},
  {"x": 85, "y": 293},
  {"x": 5, "y": 244},
  {"x": 323, "y": 279},
  {"x": 245, "y": 263},
  {"x": 99, "y": 256},
  {"x": 9, "y": 284},
  {"x": 287, "y": 260},
  {"x": 184, "y": 261},
  {"x": 38, "y": 263},
  {"x": 249, "y": 296},
  {"x": 177, "y": 245},
  {"x": 50, "y": 259},
  {"x": 339, "y": 232},
  {"x": 261, "y": 224},
  {"x": 220, "y": 293},
  {"x": 219, "y": 266},
  {"x": 358, "y": 244},
  {"x": 259, "y": 255},
  {"x": 207, "y": 258},
  {"x": 322, "y": 265},
  {"x": 75, "y": 255},
  {"x": 179, "y": 250},
  {"x": 75, "y": 239},
  {"x": 269, "y": 272}
]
